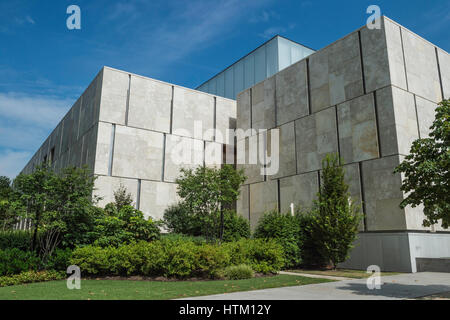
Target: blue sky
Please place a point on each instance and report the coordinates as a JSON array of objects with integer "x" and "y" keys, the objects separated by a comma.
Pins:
[{"x": 44, "y": 66}]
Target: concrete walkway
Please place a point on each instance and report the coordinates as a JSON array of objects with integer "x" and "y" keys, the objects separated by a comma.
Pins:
[
  {"x": 317, "y": 276},
  {"x": 403, "y": 286}
]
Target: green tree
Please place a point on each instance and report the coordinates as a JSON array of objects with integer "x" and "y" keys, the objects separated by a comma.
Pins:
[
  {"x": 335, "y": 217},
  {"x": 7, "y": 215},
  {"x": 60, "y": 205},
  {"x": 122, "y": 197},
  {"x": 207, "y": 192},
  {"x": 426, "y": 171}
]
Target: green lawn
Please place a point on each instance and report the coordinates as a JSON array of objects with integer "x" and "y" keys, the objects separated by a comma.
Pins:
[
  {"x": 151, "y": 290},
  {"x": 348, "y": 273}
]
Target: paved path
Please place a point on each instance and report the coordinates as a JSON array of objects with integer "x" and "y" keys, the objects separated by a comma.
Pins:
[
  {"x": 403, "y": 286},
  {"x": 310, "y": 275}
]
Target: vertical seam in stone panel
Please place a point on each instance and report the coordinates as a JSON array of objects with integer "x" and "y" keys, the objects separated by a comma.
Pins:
[
  {"x": 79, "y": 118},
  {"x": 248, "y": 211},
  {"x": 308, "y": 85},
  {"x": 278, "y": 195},
  {"x": 295, "y": 147},
  {"x": 318, "y": 179},
  {"x": 439, "y": 72},
  {"x": 363, "y": 198},
  {"x": 215, "y": 117},
  {"x": 138, "y": 195},
  {"x": 127, "y": 106},
  {"x": 417, "y": 115},
  {"x": 265, "y": 154},
  {"x": 404, "y": 60},
  {"x": 377, "y": 123},
  {"x": 111, "y": 148},
  {"x": 251, "y": 108},
  {"x": 337, "y": 132},
  {"x": 275, "y": 101},
  {"x": 163, "y": 167},
  {"x": 61, "y": 139},
  {"x": 171, "y": 110},
  {"x": 81, "y": 153},
  {"x": 362, "y": 62},
  {"x": 204, "y": 152}
]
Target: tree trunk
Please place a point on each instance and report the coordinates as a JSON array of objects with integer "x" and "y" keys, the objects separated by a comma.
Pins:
[{"x": 221, "y": 225}]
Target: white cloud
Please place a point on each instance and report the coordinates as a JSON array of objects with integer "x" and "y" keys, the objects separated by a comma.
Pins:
[
  {"x": 26, "y": 121},
  {"x": 35, "y": 110},
  {"x": 12, "y": 162}
]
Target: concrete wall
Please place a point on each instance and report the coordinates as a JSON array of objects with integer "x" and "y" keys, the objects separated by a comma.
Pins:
[
  {"x": 367, "y": 96},
  {"x": 148, "y": 130}
]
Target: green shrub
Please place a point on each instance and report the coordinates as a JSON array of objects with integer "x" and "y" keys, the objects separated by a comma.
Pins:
[
  {"x": 183, "y": 237},
  {"x": 19, "y": 239},
  {"x": 286, "y": 230},
  {"x": 13, "y": 261},
  {"x": 242, "y": 271},
  {"x": 235, "y": 227},
  {"x": 263, "y": 255},
  {"x": 93, "y": 260},
  {"x": 59, "y": 260},
  {"x": 310, "y": 255},
  {"x": 31, "y": 276},
  {"x": 178, "y": 258},
  {"x": 124, "y": 226},
  {"x": 178, "y": 219}
]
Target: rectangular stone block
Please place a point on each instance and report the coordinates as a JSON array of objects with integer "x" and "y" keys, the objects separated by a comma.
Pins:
[
  {"x": 89, "y": 148},
  {"x": 281, "y": 151},
  {"x": 106, "y": 186},
  {"x": 90, "y": 106},
  {"x": 156, "y": 197},
  {"x": 301, "y": 190},
  {"x": 263, "y": 104},
  {"x": 444, "y": 67},
  {"x": 150, "y": 104},
  {"x": 425, "y": 115},
  {"x": 225, "y": 119},
  {"x": 250, "y": 157},
  {"x": 181, "y": 152},
  {"x": 103, "y": 149},
  {"x": 358, "y": 129},
  {"x": 292, "y": 93},
  {"x": 242, "y": 204},
  {"x": 137, "y": 153},
  {"x": 193, "y": 113},
  {"x": 397, "y": 120},
  {"x": 335, "y": 73},
  {"x": 114, "y": 96},
  {"x": 421, "y": 67},
  {"x": 263, "y": 198},
  {"x": 213, "y": 154},
  {"x": 316, "y": 136},
  {"x": 243, "y": 120},
  {"x": 383, "y": 195},
  {"x": 382, "y": 52}
]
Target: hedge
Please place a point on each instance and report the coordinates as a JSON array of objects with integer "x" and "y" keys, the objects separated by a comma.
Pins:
[
  {"x": 31, "y": 276},
  {"x": 178, "y": 258}
]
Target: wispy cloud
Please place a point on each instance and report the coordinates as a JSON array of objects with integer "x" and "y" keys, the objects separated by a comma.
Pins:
[
  {"x": 264, "y": 16},
  {"x": 12, "y": 162},
  {"x": 37, "y": 110},
  {"x": 25, "y": 122},
  {"x": 270, "y": 32}
]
